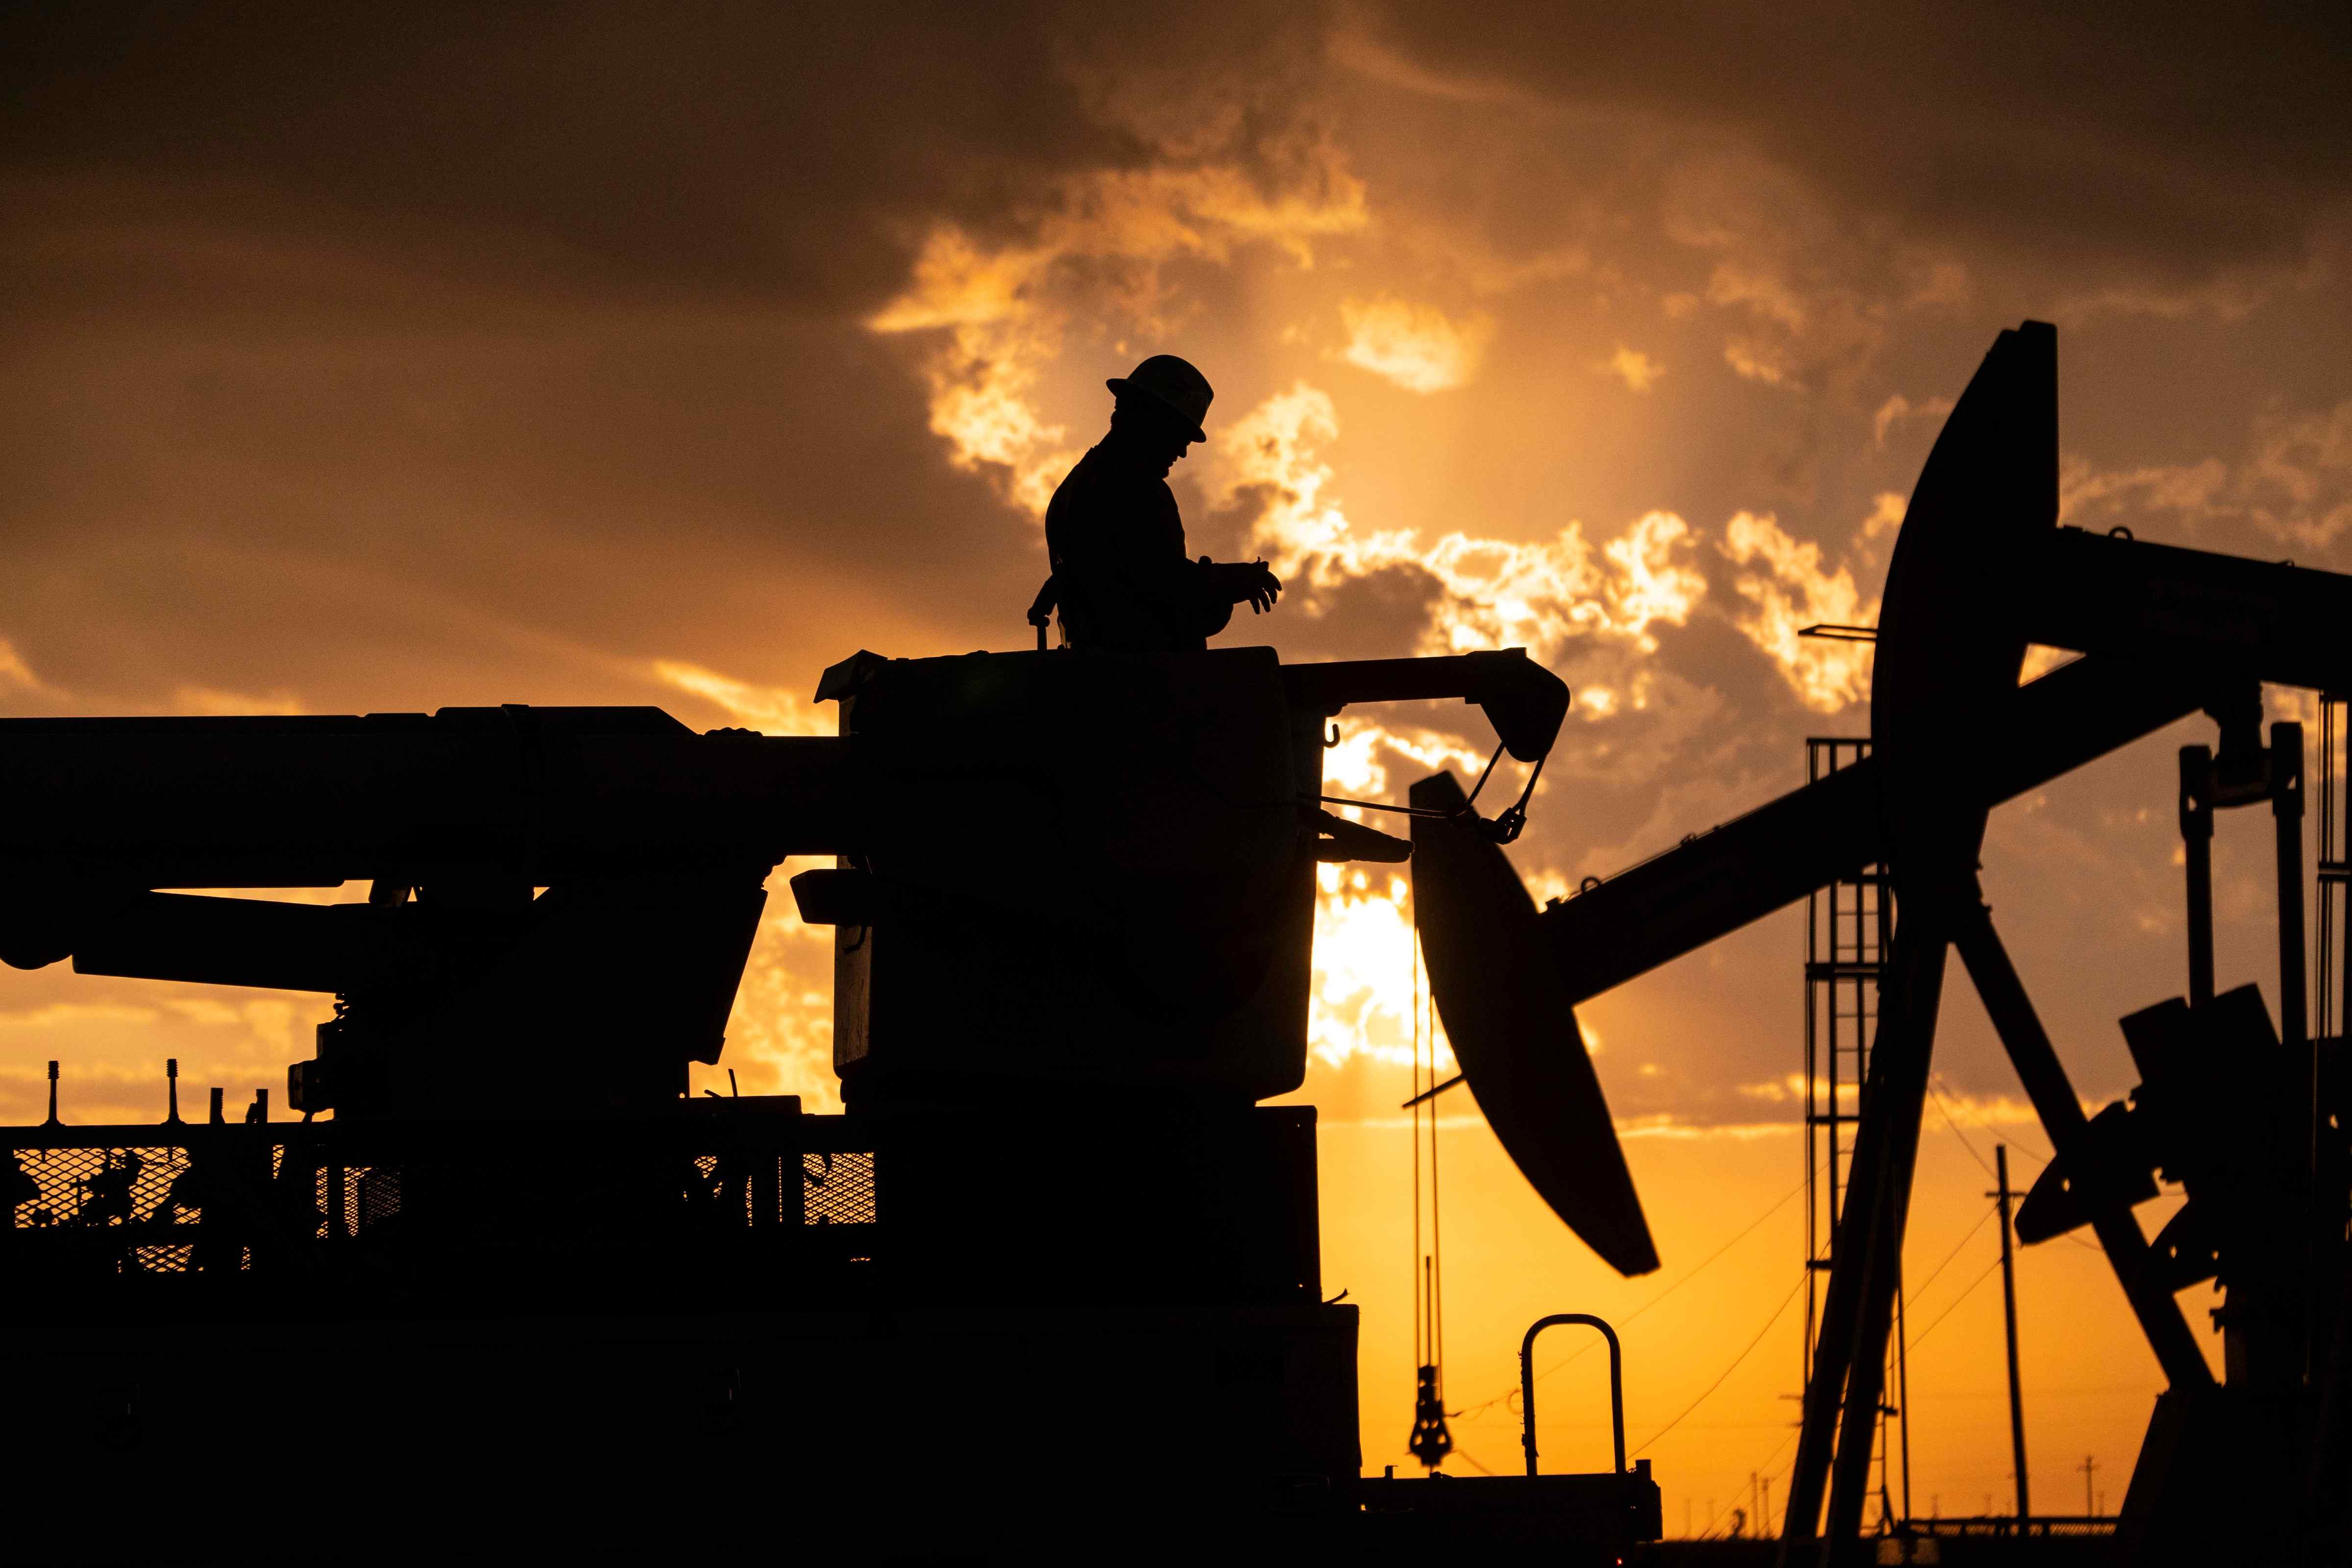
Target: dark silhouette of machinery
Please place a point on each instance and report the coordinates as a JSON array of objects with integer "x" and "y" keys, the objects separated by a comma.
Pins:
[
  {"x": 2250, "y": 1120},
  {"x": 1135, "y": 911},
  {"x": 1071, "y": 901}
]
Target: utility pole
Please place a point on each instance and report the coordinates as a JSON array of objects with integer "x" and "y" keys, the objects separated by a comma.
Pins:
[
  {"x": 2009, "y": 1307},
  {"x": 2087, "y": 1467}
]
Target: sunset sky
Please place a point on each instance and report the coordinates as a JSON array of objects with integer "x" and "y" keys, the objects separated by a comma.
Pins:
[{"x": 382, "y": 362}]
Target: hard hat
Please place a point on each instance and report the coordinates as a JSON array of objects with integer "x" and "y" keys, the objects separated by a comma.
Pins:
[{"x": 1173, "y": 382}]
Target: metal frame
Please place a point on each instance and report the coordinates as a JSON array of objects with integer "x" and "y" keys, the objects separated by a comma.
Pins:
[
  {"x": 1527, "y": 1382},
  {"x": 1849, "y": 930},
  {"x": 2331, "y": 1007}
]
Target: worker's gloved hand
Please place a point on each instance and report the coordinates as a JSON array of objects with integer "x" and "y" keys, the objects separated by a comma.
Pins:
[{"x": 1247, "y": 582}]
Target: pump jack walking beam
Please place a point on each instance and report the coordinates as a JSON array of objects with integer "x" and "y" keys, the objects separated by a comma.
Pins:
[{"x": 1719, "y": 881}]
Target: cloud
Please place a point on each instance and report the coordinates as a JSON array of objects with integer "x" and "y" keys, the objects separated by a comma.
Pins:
[
  {"x": 771, "y": 709},
  {"x": 1788, "y": 590},
  {"x": 2187, "y": 488},
  {"x": 206, "y": 701},
  {"x": 1813, "y": 303},
  {"x": 2293, "y": 484},
  {"x": 1760, "y": 291},
  {"x": 2298, "y": 483},
  {"x": 1355, "y": 49},
  {"x": 1002, "y": 308},
  {"x": 75, "y": 1015},
  {"x": 780, "y": 1031},
  {"x": 2210, "y": 146},
  {"x": 1544, "y": 595},
  {"x": 1634, "y": 368},
  {"x": 1751, "y": 360},
  {"x": 18, "y": 676},
  {"x": 1898, "y": 408},
  {"x": 1419, "y": 347},
  {"x": 980, "y": 377},
  {"x": 1887, "y": 509}
]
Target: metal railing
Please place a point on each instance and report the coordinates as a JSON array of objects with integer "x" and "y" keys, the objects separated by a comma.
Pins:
[{"x": 309, "y": 1199}]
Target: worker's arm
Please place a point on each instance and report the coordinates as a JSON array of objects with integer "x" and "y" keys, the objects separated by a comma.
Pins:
[{"x": 1194, "y": 593}]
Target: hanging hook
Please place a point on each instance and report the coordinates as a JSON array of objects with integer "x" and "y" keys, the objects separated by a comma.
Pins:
[{"x": 1332, "y": 739}]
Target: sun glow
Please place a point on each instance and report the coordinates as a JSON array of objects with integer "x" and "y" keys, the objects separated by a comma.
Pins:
[
  {"x": 1365, "y": 984},
  {"x": 771, "y": 709}
]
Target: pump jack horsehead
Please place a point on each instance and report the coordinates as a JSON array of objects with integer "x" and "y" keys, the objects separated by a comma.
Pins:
[{"x": 1981, "y": 570}]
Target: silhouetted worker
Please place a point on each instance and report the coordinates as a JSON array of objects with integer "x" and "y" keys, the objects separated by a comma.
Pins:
[{"x": 1116, "y": 540}]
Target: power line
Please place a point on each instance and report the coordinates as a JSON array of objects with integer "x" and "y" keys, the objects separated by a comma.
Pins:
[
  {"x": 1945, "y": 1111},
  {"x": 1921, "y": 1287},
  {"x": 1981, "y": 1125},
  {"x": 1947, "y": 1313},
  {"x": 1727, "y": 1371},
  {"x": 1694, "y": 1273}
]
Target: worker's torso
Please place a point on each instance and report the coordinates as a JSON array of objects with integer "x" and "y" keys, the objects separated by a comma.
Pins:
[{"x": 1117, "y": 542}]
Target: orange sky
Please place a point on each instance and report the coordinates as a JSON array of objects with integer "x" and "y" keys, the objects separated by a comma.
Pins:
[{"x": 351, "y": 366}]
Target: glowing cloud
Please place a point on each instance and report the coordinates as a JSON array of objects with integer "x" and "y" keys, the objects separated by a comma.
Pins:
[
  {"x": 771, "y": 709},
  {"x": 1754, "y": 361},
  {"x": 1542, "y": 596},
  {"x": 780, "y": 1034},
  {"x": 15, "y": 675},
  {"x": 1898, "y": 408},
  {"x": 210, "y": 702},
  {"x": 1419, "y": 347},
  {"x": 1634, "y": 368},
  {"x": 1102, "y": 239},
  {"x": 1790, "y": 592}
]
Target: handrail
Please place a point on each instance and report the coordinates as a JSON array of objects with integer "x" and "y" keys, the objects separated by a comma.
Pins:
[{"x": 1527, "y": 1383}]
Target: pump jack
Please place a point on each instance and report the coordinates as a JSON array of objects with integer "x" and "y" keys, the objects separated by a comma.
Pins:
[{"x": 1981, "y": 571}]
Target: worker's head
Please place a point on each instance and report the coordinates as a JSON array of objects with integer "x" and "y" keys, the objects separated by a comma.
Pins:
[{"x": 1161, "y": 402}]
